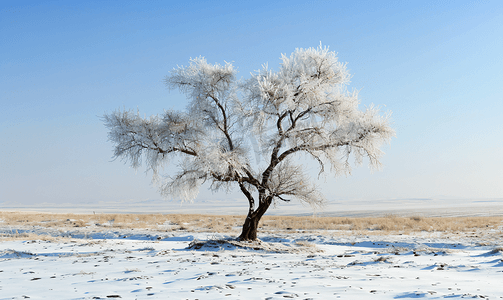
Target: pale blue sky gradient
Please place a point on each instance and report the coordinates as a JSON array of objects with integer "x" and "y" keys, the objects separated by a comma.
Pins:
[{"x": 437, "y": 65}]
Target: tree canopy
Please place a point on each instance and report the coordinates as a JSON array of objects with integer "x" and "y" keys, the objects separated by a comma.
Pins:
[{"x": 303, "y": 108}]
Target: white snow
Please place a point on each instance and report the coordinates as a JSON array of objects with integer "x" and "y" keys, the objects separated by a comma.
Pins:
[{"x": 88, "y": 263}]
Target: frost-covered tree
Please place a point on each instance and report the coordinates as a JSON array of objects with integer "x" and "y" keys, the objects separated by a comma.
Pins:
[{"x": 303, "y": 108}]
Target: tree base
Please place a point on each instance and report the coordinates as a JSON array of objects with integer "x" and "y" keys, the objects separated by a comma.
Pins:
[{"x": 249, "y": 232}]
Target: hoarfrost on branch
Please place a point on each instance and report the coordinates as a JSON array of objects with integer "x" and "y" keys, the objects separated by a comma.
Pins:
[{"x": 304, "y": 108}]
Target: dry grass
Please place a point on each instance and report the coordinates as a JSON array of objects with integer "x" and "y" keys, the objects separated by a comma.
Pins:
[
  {"x": 389, "y": 223},
  {"x": 298, "y": 247},
  {"x": 304, "y": 244},
  {"x": 168, "y": 222},
  {"x": 14, "y": 236},
  {"x": 231, "y": 224},
  {"x": 497, "y": 250}
]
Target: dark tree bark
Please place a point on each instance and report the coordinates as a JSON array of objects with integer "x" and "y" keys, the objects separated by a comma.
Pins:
[{"x": 249, "y": 232}]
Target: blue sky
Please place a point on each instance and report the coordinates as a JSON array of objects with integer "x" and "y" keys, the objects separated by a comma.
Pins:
[{"x": 435, "y": 64}]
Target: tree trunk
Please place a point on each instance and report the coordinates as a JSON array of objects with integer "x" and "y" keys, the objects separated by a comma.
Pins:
[{"x": 249, "y": 232}]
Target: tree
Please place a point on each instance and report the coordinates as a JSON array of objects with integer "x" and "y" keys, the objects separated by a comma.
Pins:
[{"x": 304, "y": 108}]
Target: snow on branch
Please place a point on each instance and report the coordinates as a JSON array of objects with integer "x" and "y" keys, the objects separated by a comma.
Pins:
[{"x": 304, "y": 107}]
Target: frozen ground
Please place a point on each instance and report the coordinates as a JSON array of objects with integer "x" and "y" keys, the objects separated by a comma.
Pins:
[{"x": 103, "y": 263}]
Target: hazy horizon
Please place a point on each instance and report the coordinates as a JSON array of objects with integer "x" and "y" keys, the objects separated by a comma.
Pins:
[{"x": 354, "y": 208}]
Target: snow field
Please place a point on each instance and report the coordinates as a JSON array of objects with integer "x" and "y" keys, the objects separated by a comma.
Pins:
[{"x": 150, "y": 266}]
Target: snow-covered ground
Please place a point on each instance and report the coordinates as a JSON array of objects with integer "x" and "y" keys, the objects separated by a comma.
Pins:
[{"x": 100, "y": 263}]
